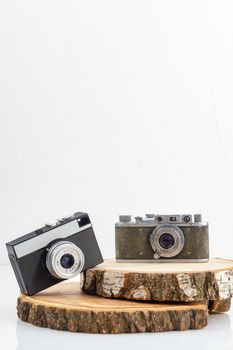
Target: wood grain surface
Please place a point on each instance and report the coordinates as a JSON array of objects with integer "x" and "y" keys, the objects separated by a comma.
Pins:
[
  {"x": 65, "y": 307},
  {"x": 181, "y": 282}
]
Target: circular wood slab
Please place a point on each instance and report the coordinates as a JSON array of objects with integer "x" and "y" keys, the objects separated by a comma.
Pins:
[
  {"x": 183, "y": 282},
  {"x": 65, "y": 307}
]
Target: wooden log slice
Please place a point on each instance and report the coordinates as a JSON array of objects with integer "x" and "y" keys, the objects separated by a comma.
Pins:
[
  {"x": 182, "y": 282},
  {"x": 65, "y": 307},
  {"x": 218, "y": 306}
]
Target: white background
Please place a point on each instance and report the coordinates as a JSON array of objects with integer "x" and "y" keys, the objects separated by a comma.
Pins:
[{"x": 114, "y": 107}]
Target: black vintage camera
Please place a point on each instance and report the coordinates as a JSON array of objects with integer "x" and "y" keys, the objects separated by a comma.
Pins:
[
  {"x": 162, "y": 238},
  {"x": 54, "y": 253}
]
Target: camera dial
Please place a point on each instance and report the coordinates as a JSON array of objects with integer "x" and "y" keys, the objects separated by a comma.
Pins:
[
  {"x": 167, "y": 241},
  {"x": 64, "y": 260}
]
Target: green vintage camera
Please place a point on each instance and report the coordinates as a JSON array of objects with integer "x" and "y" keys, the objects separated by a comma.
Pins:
[{"x": 162, "y": 238}]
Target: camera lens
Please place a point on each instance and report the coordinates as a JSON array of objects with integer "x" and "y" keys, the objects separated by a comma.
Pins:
[
  {"x": 166, "y": 241},
  {"x": 67, "y": 261},
  {"x": 64, "y": 260},
  {"x": 159, "y": 218}
]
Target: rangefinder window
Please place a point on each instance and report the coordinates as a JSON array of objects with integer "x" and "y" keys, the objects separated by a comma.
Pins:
[{"x": 172, "y": 218}]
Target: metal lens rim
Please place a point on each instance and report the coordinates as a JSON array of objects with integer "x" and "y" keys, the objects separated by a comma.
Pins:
[
  {"x": 53, "y": 260},
  {"x": 177, "y": 235}
]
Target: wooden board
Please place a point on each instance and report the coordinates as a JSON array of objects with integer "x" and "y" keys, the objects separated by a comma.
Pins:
[
  {"x": 182, "y": 282},
  {"x": 65, "y": 307}
]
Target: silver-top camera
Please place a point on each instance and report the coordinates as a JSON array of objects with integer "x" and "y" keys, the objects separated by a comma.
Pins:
[
  {"x": 162, "y": 238},
  {"x": 54, "y": 252}
]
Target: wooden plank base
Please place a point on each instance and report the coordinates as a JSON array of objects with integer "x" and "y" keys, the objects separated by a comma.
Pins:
[
  {"x": 65, "y": 307},
  {"x": 182, "y": 282}
]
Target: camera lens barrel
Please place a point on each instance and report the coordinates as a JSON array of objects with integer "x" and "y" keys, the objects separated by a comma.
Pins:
[
  {"x": 64, "y": 260},
  {"x": 167, "y": 240}
]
